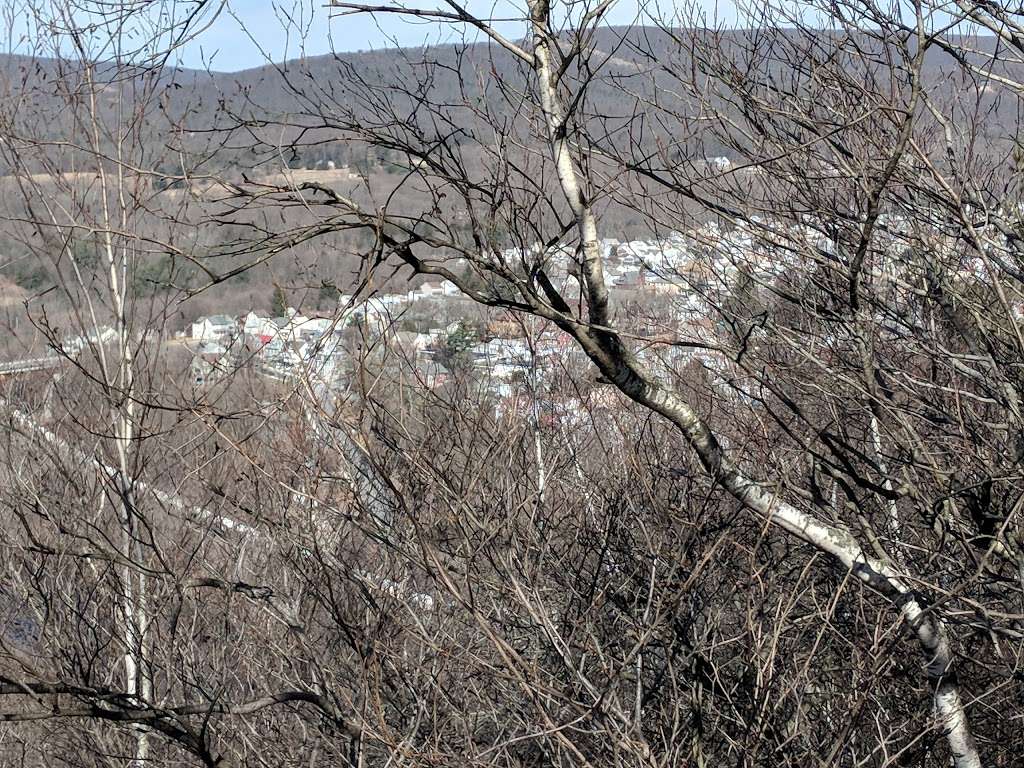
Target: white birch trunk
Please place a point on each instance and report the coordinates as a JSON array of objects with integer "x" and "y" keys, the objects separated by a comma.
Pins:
[{"x": 134, "y": 609}]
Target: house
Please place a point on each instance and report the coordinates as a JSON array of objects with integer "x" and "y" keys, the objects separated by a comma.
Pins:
[
  {"x": 96, "y": 337},
  {"x": 633, "y": 280},
  {"x": 502, "y": 359},
  {"x": 432, "y": 374},
  {"x": 410, "y": 342},
  {"x": 377, "y": 312},
  {"x": 209, "y": 361},
  {"x": 426, "y": 291},
  {"x": 274, "y": 331},
  {"x": 213, "y": 328},
  {"x": 383, "y": 305},
  {"x": 430, "y": 290},
  {"x": 282, "y": 357},
  {"x": 252, "y": 325},
  {"x": 305, "y": 329},
  {"x": 662, "y": 284},
  {"x": 325, "y": 353},
  {"x": 609, "y": 246},
  {"x": 554, "y": 344}
]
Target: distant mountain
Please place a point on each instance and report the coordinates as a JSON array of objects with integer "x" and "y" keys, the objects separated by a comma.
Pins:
[{"x": 634, "y": 60}]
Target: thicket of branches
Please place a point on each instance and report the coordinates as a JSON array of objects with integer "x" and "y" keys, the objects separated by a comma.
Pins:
[{"x": 784, "y": 530}]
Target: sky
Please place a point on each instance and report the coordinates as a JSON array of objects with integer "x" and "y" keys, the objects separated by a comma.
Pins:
[
  {"x": 247, "y": 32},
  {"x": 232, "y": 35}
]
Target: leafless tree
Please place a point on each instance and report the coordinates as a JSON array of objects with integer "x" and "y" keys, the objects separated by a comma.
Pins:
[
  {"x": 734, "y": 530},
  {"x": 872, "y": 219}
]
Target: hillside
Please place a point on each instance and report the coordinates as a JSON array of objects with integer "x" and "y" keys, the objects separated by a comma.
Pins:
[{"x": 207, "y": 108}]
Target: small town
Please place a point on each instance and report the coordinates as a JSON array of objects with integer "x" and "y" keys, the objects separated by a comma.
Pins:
[{"x": 650, "y": 275}]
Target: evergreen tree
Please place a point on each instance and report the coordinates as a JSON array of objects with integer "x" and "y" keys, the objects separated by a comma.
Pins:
[{"x": 279, "y": 302}]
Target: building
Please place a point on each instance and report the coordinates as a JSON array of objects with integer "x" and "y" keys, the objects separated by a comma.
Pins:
[
  {"x": 443, "y": 289},
  {"x": 214, "y": 328},
  {"x": 209, "y": 362},
  {"x": 96, "y": 337}
]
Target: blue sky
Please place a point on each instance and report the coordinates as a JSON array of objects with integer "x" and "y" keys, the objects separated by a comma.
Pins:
[
  {"x": 239, "y": 34},
  {"x": 289, "y": 28}
]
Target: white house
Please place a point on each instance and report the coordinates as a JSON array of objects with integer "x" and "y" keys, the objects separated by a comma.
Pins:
[
  {"x": 411, "y": 342},
  {"x": 97, "y": 337},
  {"x": 309, "y": 328},
  {"x": 213, "y": 328},
  {"x": 210, "y": 361},
  {"x": 443, "y": 289},
  {"x": 426, "y": 291},
  {"x": 253, "y": 325},
  {"x": 502, "y": 355}
]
